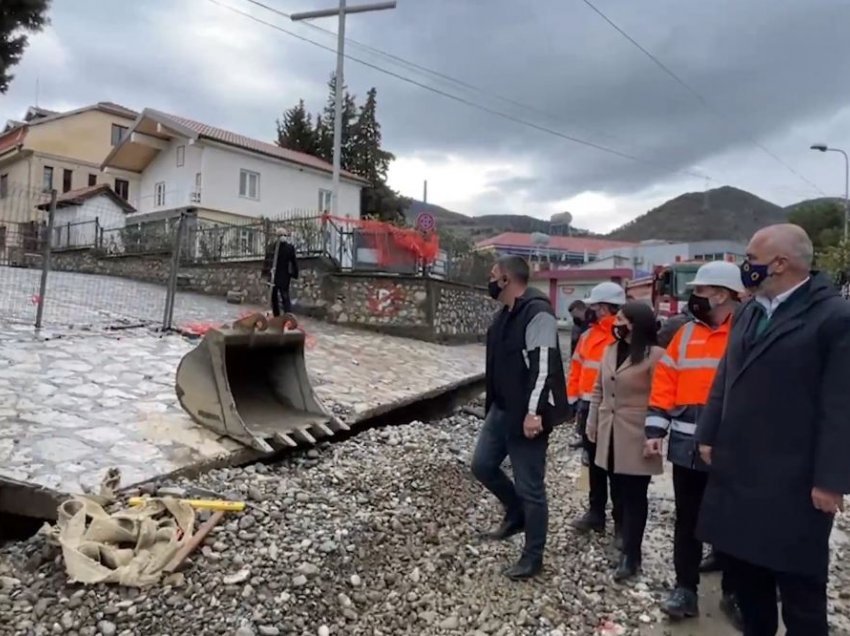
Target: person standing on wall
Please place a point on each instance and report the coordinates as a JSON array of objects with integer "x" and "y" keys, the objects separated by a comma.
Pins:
[
  {"x": 280, "y": 266},
  {"x": 775, "y": 432},
  {"x": 680, "y": 390},
  {"x": 526, "y": 398},
  {"x": 604, "y": 302},
  {"x": 618, "y": 407}
]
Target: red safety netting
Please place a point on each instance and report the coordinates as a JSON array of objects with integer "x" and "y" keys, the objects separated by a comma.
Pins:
[{"x": 393, "y": 245}]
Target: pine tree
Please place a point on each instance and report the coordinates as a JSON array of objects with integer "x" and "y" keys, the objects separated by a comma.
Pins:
[
  {"x": 17, "y": 18},
  {"x": 369, "y": 160},
  {"x": 349, "y": 115},
  {"x": 296, "y": 131}
]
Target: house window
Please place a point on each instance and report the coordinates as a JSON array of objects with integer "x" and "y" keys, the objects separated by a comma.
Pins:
[
  {"x": 67, "y": 179},
  {"x": 122, "y": 188},
  {"x": 159, "y": 194},
  {"x": 118, "y": 134},
  {"x": 196, "y": 193},
  {"x": 325, "y": 198},
  {"x": 92, "y": 180},
  {"x": 47, "y": 179},
  {"x": 4, "y": 186},
  {"x": 249, "y": 184},
  {"x": 181, "y": 156}
]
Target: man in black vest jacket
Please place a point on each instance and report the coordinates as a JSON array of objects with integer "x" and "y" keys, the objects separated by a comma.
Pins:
[
  {"x": 526, "y": 398},
  {"x": 280, "y": 266},
  {"x": 775, "y": 431}
]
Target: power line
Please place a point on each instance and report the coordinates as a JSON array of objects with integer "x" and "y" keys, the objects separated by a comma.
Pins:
[
  {"x": 696, "y": 94},
  {"x": 462, "y": 100},
  {"x": 418, "y": 67}
]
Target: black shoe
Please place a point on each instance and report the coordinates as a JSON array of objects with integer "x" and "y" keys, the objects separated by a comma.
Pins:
[
  {"x": 628, "y": 568},
  {"x": 710, "y": 563},
  {"x": 577, "y": 442},
  {"x": 681, "y": 603},
  {"x": 589, "y": 521},
  {"x": 523, "y": 569},
  {"x": 508, "y": 529},
  {"x": 730, "y": 608},
  {"x": 585, "y": 458}
]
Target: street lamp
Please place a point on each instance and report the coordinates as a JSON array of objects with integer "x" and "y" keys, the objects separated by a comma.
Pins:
[
  {"x": 340, "y": 83},
  {"x": 825, "y": 148}
]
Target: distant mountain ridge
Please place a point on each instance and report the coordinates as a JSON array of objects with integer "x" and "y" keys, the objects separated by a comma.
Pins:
[{"x": 723, "y": 213}]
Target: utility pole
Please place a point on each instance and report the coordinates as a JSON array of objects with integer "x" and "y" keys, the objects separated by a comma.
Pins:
[
  {"x": 340, "y": 79},
  {"x": 425, "y": 192},
  {"x": 825, "y": 148}
]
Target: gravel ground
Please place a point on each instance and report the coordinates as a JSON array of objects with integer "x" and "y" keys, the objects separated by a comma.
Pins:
[{"x": 376, "y": 535}]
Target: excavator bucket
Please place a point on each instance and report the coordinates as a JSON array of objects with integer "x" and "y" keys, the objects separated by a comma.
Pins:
[{"x": 249, "y": 382}]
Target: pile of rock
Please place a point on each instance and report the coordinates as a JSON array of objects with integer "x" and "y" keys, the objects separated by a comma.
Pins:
[{"x": 374, "y": 535}]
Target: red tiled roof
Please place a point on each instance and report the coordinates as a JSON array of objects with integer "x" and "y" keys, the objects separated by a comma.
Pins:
[
  {"x": 565, "y": 243},
  {"x": 12, "y": 138},
  {"x": 80, "y": 195},
  {"x": 240, "y": 141},
  {"x": 575, "y": 273}
]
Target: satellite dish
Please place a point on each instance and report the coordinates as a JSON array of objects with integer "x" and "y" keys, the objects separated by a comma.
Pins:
[{"x": 539, "y": 238}]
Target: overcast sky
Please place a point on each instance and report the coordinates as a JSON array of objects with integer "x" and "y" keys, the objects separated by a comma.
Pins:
[{"x": 775, "y": 73}]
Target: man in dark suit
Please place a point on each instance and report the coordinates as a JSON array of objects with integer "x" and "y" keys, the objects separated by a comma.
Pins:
[
  {"x": 775, "y": 432},
  {"x": 280, "y": 266}
]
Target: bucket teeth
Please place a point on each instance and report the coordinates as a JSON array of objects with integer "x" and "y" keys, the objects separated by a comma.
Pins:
[
  {"x": 324, "y": 428},
  {"x": 286, "y": 439},
  {"x": 304, "y": 433}
]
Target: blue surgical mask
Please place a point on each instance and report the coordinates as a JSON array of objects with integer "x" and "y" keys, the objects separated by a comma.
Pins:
[{"x": 754, "y": 274}]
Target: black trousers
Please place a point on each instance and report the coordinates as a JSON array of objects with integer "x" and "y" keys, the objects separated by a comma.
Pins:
[
  {"x": 525, "y": 497},
  {"x": 281, "y": 299},
  {"x": 688, "y": 488},
  {"x": 803, "y": 601},
  {"x": 631, "y": 509},
  {"x": 598, "y": 477}
]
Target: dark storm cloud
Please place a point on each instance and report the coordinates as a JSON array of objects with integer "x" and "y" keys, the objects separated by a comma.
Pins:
[{"x": 771, "y": 65}]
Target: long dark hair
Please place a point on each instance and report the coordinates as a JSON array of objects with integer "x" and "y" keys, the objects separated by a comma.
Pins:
[{"x": 644, "y": 334}]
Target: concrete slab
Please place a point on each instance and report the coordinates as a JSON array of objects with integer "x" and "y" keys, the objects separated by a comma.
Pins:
[{"x": 73, "y": 405}]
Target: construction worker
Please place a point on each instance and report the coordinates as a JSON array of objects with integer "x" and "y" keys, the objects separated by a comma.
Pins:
[
  {"x": 604, "y": 302},
  {"x": 680, "y": 389}
]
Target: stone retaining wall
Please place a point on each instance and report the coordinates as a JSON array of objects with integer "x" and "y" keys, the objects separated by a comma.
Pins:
[{"x": 400, "y": 305}]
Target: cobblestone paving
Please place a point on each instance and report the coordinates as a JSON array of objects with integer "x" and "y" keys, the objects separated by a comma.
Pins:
[{"x": 73, "y": 404}]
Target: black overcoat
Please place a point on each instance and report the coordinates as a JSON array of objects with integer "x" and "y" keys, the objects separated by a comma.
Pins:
[{"x": 778, "y": 422}]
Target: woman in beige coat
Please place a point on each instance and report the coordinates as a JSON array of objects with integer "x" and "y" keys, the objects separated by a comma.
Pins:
[{"x": 615, "y": 423}]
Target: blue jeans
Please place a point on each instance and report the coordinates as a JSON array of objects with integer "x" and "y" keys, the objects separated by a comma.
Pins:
[{"x": 525, "y": 500}]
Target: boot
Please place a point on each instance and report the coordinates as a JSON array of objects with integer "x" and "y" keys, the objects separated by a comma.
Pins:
[
  {"x": 682, "y": 603},
  {"x": 509, "y": 528},
  {"x": 525, "y": 568},
  {"x": 730, "y": 608},
  {"x": 589, "y": 521},
  {"x": 628, "y": 568}
]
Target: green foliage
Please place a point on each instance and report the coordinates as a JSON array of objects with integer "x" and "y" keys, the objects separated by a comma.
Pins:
[
  {"x": 835, "y": 259},
  {"x": 823, "y": 222},
  {"x": 17, "y": 18},
  {"x": 362, "y": 153},
  {"x": 296, "y": 131}
]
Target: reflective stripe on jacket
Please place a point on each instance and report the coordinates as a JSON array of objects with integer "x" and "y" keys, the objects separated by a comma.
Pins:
[
  {"x": 680, "y": 388},
  {"x": 587, "y": 358}
]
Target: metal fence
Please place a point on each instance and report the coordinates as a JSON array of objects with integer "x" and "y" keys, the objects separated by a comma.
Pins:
[{"x": 44, "y": 248}]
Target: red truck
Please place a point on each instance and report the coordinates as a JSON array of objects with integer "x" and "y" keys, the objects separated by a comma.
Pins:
[{"x": 666, "y": 288}]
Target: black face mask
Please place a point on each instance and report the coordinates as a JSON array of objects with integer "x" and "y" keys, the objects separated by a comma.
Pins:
[
  {"x": 620, "y": 331},
  {"x": 591, "y": 316},
  {"x": 493, "y": 289},
  {"x": 700, "y": 307}
]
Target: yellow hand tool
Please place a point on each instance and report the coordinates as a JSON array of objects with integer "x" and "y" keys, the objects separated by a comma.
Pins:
[{"x": 203, "y": 504}]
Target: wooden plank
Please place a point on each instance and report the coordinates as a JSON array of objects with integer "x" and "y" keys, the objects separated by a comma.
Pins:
[{"x": 196, "y": 539}]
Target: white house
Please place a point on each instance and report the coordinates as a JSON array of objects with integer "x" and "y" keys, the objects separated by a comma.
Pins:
[
  {"x": 89, "y": 217},
  {"x": 224, "y": 176}
]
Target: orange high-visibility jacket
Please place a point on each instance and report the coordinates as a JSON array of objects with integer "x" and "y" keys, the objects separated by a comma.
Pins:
[
  {"x": 587, "y": 358},
  {"x": 681, "y": 384}
]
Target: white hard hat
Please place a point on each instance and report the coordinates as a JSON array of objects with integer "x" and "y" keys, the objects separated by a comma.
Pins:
[
  {"x": 609, "y": 293},
  {"x": 719, "y": 274}
]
